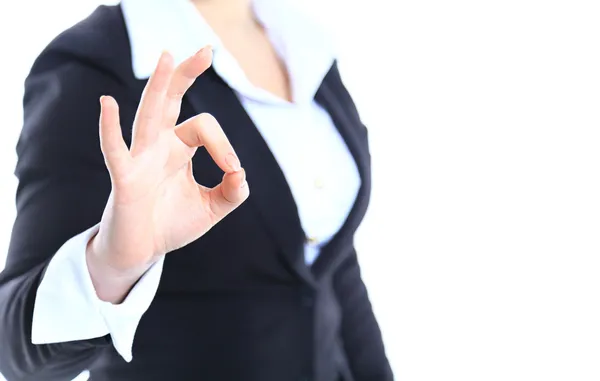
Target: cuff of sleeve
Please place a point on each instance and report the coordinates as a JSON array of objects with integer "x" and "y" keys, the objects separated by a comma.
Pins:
[
  {"x": 123, "y": 319},
  {"x": 67, "y": 308}
]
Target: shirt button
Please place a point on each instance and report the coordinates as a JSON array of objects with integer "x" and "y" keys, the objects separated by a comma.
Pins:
[
  {"x": 319, "y": 183},
  {"x": 312, "y": 240}
]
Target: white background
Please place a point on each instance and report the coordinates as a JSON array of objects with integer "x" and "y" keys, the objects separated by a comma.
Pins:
[{"x": 481, "y": 249}]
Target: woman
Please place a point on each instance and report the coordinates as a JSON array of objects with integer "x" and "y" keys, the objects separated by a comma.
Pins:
[{"x": 122, "y": 264}]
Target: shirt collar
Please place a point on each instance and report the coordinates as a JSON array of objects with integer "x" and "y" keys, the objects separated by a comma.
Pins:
[{"x": 176, "y": 26}]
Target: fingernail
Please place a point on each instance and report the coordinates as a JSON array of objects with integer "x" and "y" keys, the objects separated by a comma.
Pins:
[
  {"x": 244, "y": 183},
  {"x": 163, "y": 56},
  {"x": 204, "y": 50},
  {"x": 233, "y": 162},
  {"x": 101, "y": 99}
]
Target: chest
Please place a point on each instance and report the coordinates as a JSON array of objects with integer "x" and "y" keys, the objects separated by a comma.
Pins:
[{"x": 315, "y": 160}]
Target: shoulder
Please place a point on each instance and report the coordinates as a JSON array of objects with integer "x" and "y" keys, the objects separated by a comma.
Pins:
[
  {"x": 81, "y": 64},
  {"x": 100, "y": 42},
  {"x": 90, "y": 59}
]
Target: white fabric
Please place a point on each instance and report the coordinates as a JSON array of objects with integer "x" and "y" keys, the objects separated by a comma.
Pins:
[
  {"x": 67, "y": 309},
  {"x": 318, "y": 167}
]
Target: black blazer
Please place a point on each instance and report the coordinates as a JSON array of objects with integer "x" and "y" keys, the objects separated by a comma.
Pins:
[{"x": 239, "y": 307}]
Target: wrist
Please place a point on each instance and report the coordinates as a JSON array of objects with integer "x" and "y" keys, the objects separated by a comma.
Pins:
[{"x": 111, "y": 284}]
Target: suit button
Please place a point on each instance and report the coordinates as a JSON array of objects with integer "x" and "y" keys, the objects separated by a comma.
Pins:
[{"x": 308, "y": 300}]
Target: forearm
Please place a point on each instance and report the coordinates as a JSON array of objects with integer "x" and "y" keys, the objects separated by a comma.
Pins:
[{"x": 21, "y": 360}]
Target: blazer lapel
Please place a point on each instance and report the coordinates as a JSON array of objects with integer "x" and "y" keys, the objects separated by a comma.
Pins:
[
  {"x": 333, "y": 97},
  {"x": 269, "y": 190}
]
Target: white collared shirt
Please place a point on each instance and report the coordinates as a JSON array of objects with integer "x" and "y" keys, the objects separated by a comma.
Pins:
[{"x": 316, "y": 163}]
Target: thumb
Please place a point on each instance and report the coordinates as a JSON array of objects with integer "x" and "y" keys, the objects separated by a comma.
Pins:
[{"x": 229, "y": 194}]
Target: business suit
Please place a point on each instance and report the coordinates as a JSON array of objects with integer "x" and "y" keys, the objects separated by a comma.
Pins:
[{"x": 229, "y": 307}]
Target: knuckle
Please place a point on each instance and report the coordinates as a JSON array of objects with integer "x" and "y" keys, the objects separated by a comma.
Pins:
[
  {"x": 212, "y": 208},
  {"x": 146, "y": 117},
  {"x": 207, "y": 119},
  {"x": 176, "y": 95}
]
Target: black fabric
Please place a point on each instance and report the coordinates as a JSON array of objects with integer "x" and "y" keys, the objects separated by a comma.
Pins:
[{"x": 237, "y": 304}]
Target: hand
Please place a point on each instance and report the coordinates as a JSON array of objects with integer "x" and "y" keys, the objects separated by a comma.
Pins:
[{"x": 155, "y": 205}]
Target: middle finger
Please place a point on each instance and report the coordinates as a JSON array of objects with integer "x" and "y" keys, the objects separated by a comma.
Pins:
[
  {"x": 183, "y": 78},
  {"x": 150, "y": 111}
]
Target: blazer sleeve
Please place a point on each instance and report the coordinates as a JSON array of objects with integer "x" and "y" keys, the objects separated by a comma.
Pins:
[
  {"x": 361, "y": 335},
  {"x": 63, "y": 189}
]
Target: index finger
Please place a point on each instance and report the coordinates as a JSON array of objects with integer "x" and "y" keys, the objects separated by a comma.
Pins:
[{"x": 204, "y": 130}]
